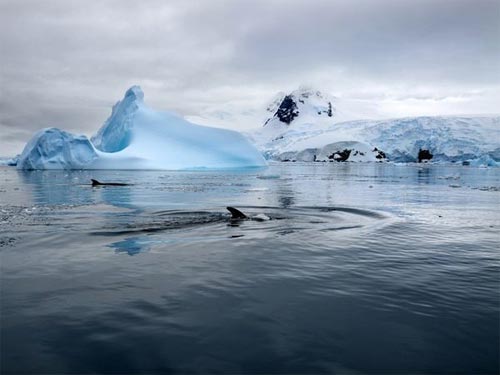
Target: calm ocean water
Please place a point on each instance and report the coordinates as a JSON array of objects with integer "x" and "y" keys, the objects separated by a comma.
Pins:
[{"x": 363, "y": 268}]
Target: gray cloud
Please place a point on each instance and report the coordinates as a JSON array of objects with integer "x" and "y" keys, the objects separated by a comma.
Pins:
[{"x": 64, "y": 63}]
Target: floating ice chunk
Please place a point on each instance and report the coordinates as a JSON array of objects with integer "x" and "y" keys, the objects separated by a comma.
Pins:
[
  {"x": 52, "y": 148},
  {"x": 12, "y": 162},
  {"x": 137, "y": 137},
  {"x": 484, "y": 161}
]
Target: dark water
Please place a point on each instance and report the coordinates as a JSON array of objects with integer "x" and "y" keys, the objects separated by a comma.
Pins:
[{"x": 361, "y": 269}]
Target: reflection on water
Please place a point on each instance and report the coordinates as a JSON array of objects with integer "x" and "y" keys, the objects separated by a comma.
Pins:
[
  {"x": 72, "y": 187},
  {"x": 261, "y": 222},
  {"x": 130, "y": 245},
  {"x": 425, "y": 175},
  {"x": 120, "y": 196},
  {"x": 55, "y": 187},
  {"x": 361, "y": 269}
]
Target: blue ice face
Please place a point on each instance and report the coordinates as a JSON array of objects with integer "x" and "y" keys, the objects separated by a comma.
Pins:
[
  {"x": 56, "y": 149},
  {"x": 137, "y": 137},
  {"x": 115, "y": 134}
]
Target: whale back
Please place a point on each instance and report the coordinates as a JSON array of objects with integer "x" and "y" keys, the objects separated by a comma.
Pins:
[{"x": 236, "y": 214}]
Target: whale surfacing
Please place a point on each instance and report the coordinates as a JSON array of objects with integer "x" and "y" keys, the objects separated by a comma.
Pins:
[
  {"x": 236, "y": 214},
  {"x": 97, "y": 183}
]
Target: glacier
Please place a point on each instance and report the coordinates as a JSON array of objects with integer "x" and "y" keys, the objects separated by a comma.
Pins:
[
  {"x": 137, "y": 137},
  {"x": 474, "y": 140},
  {"x": 305, "y": 127},
  {"x": 351, "y": 151}
]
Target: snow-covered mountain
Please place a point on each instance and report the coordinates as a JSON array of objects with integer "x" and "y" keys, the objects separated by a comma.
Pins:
[
  {"x": 303, "y": 127},
  {"x": 305, "y": 104},
  {"x": 138, "y": 137},
  {"x": 301, "y": 110},
  {"x": 252, "y": 114}
]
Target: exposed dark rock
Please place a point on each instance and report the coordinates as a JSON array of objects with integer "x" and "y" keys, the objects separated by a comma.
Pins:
[
  {"x": 287, "y": 110},
  {"x": 380, "y": 154},
  {"x": 340, "y": 155},
  {"x": 424, "y": 155},
  {"x": 330, "y": 112}
]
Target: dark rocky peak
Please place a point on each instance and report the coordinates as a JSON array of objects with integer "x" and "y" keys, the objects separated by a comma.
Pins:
[
  {"x": 305, "y": 104},
  {"x": 287, "y": 110}
]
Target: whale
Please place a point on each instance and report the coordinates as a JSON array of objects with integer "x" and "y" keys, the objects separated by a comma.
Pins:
[
  {"x": 97, "y": 183},
  {"x": 237, "y": 215},
  {"x": 153, "y": 222}
]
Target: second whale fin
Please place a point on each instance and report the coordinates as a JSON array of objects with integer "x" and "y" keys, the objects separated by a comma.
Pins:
[
  {"x": 98, "y": 183},
  {"x": 236, "y": 214}
]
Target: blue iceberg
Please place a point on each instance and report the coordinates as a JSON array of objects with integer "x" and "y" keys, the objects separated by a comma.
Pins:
[
  {"x": 52, "y": 148},
  {"x": 138, "y": 137}
]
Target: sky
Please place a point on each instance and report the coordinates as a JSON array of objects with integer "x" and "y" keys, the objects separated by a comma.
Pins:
[{"x": 65, "y": 63}]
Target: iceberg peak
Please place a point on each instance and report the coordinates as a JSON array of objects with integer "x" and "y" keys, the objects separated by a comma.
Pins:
[
  {"x": 115, "y": 134},
  {"x": 135, "y": 93}
]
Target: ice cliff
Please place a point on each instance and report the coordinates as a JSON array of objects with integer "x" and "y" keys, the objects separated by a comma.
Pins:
[
  {"x": 303, "y": 127},
  {"x": 138, "y": 137}
]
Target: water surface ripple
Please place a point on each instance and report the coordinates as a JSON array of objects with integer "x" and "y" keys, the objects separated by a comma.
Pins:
[{"x": 343, "y": 269}]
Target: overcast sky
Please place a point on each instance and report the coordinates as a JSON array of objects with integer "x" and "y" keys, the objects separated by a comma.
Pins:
[{"x": 65, "y": 63}]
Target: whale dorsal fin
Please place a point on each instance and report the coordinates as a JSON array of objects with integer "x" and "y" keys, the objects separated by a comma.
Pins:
[
  {"x": 236, "y": 214},
  {"x": 95, "y": 182}
]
